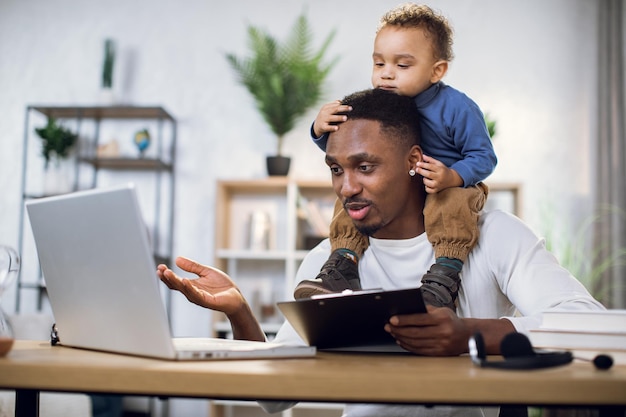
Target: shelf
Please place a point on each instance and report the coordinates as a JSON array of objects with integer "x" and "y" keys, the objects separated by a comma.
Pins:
[
  {"x": 300, "y": 254},
  {"x": 130, "y": 164},
  {"x": 274, "y": 255},
  {"x": 34, "y": 285},
  {"x": 275, "y": 185},
  {"x": 243, "y": 254},
  {"x": 248, "y": 254},
  {"x": 104, "y": 112},
  {"x": 224, "y": 327},
  {"x": 86, "y": 168},
  {"x": 32, "y": 196}
]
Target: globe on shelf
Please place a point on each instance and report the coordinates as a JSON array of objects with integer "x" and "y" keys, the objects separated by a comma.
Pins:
[{"x": 142, "y": 141}]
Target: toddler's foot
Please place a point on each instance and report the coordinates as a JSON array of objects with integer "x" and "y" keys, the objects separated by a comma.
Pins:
[
  {"x": 440, "y": 286},
  {"x": 339, "y": 273}
]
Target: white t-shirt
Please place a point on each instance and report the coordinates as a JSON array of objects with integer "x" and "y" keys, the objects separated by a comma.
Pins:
[{"x": 509, "y": 270}]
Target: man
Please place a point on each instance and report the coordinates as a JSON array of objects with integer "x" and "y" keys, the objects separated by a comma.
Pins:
[{"x": 372, "y": 159}]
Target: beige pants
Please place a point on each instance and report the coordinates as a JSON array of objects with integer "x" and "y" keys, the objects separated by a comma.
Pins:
[{"x": 450, "y": 220}]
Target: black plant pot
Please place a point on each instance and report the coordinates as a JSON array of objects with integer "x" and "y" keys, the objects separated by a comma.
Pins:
[{"x": 278, "y": 165}]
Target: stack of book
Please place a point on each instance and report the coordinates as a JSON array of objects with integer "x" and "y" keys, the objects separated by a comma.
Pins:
[
  {"x": 584, "y": 333},
  {"x": 317, "y": 213}
]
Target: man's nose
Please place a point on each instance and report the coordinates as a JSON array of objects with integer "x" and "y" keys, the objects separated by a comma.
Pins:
[{"x": 350, "y": 185}]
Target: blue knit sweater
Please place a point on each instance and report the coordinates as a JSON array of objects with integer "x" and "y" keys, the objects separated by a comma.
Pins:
[{"x": 453, "y": 131}]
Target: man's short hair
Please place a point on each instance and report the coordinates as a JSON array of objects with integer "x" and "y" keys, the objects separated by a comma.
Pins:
[{"x": 397, "y": 114}]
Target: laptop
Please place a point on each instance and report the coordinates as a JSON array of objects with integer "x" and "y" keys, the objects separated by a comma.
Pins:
[
  {"x": 363, "y": 315},
  {"x": 100, "y": 275}
]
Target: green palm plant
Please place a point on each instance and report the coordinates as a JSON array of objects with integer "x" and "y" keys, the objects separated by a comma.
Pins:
[{"x": 285, "y": 79}]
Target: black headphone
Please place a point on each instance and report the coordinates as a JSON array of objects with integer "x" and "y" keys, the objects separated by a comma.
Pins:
[{"x": 518, "y": 353}]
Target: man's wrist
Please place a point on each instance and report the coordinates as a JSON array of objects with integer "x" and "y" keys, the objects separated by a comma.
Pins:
[
  {"x": 492, "y": 330},
  {"x": 244, "y": 325}
]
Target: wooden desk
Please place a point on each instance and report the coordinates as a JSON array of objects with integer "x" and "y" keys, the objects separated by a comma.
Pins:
[{"x": 329, "y": 377}]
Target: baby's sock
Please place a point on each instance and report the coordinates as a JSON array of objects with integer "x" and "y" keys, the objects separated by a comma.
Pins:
[{"x": 453, "y": 263}]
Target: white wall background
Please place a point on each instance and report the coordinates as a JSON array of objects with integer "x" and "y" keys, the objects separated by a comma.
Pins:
[{"x": 530, "y": 64}]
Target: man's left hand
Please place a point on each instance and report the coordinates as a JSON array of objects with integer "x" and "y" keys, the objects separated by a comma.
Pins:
[{"x": 439, "y": 333}]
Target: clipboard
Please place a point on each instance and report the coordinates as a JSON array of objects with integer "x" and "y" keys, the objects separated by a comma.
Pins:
[{"x": 351, "y": 319}]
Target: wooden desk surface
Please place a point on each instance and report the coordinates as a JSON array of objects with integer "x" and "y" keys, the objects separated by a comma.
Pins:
[{"x": 329, "y": 377}]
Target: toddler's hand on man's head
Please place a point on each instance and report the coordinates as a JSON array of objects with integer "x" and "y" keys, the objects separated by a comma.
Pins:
[{"x": 329, "y": 117}]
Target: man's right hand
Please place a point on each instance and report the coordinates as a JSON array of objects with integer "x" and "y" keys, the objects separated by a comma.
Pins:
[
  {"x": 328, "y": 119},
  {"x": 212, "y": 289},
  {"x": 215, "y": 290}
]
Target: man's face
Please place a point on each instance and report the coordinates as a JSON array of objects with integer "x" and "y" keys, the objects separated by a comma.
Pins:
[{"x": 370, "y": 177}]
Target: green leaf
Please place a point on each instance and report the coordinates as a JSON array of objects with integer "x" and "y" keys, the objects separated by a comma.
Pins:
[
  {"x": 56, "y": 140},
  {"x": 491, "y": 125},
  {"x": 284, "y": 78}
]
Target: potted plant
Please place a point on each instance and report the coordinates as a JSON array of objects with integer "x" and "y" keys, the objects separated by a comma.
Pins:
[
  {"x": 107, "y": 65},
  {"x": 57, "y": 142},
  {"x": 491, "y": 125},
  {"x": 285, "y": 79}
]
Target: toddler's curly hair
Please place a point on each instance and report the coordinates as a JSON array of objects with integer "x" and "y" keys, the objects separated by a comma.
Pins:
[{"x": 436, "y": 26}]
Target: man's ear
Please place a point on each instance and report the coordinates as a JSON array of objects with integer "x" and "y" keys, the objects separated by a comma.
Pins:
[
  {"x": 415, "y": 156},
  {"x": 439, "y": 70}
]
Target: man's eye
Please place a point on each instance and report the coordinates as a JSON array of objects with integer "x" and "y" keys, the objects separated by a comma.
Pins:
[
  {"x": 335, "y": 170},
  {"x": 403, "y": 66},
  {"x": 366, "y": 167},
  {"x": 379, "y": 64}
]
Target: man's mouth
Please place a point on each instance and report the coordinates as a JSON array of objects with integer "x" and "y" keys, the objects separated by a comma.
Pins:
[{"x": 357, "y": 211}]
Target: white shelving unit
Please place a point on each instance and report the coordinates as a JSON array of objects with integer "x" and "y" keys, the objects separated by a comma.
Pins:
[{"x": 265, "y": 275}]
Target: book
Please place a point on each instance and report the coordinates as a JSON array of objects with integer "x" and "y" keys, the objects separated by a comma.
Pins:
[
  {"x": 588, "y": 321},
  {"x": 566, "y": 339},
  {"x": 315, "y": 217},
  {"x": 586, "y": 334}
]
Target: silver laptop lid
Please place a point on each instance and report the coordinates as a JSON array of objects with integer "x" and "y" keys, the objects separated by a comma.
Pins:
[{"x": 100, "y": 273}]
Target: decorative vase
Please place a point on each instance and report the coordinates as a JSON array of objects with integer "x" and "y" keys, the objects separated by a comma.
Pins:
[
  {"x": 58, "y": 177},
  {"x": 106, "y": 96},
  {"x": 278, "y": 165}
]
